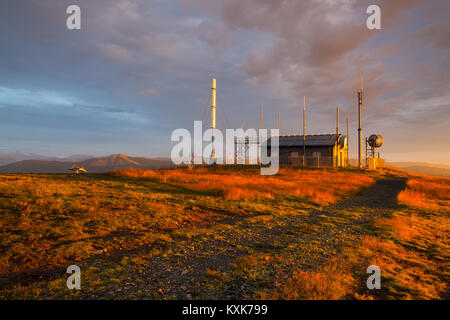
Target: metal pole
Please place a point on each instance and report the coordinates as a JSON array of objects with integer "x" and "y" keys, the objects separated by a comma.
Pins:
[
  {"x": 261, "y": 117},
  {"x": 259, "y": 138},
  {"x": 360, "y": 93},
  {"x": 367, "y": 164},
  {"x": 213, "y": 116},
  {"x": 348, "y": 139},
  {"x": 337, "y": 134},
  {"x": 304, "y": 130},
  {"x": 337, "y": 121},
  {"x": 278, "y": 122}
]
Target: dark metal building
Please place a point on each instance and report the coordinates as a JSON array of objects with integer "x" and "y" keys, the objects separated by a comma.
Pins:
[{"x": 317, "y": 150}]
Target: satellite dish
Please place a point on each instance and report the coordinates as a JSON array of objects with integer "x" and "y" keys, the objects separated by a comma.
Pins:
[{"x": 375, "y": 141}]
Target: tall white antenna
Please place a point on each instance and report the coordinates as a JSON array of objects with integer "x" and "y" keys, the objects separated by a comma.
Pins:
[
  {"x": 304, "y": 129},
  {"x": 213, "y": 116}
]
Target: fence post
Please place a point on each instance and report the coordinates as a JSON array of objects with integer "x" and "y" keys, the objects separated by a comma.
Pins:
[{"x": 318, "y": 162}]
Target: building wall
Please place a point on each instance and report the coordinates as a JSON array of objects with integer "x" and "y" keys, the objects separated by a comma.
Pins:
[
  {"x": 315, "y": 156},
  {"x": 323, "y": 152}
]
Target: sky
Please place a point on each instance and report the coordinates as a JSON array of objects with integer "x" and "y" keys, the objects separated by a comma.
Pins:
[{"x": 138, "y": 70}]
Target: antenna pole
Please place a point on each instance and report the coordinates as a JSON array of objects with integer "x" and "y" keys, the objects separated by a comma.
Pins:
[
  {"x": 348, "y": 139},
  {"x": 261, "y": 117},
  {"x": 337, "y": 120},
  {"x": 304, "y": 129},
  {"x": 278, "y": 122},
  {"x": 213, "y": 117},
  {"x": 367, "y": 163},
  {"x": 360, "y": 97},
  {"x": 337, "y": 136}
]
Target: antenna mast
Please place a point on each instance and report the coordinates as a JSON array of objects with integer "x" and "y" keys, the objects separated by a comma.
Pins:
[
  {"x": 360, "y": 98},
  {"x": 278, "y": 123},
  {"x": 348, "y": 139},
  {"x": 304, "y": 129},
  {"x": 337, "y": 137},
  {"x": 337, "y": 120},
  {"x": 261, "y": 117},
  {"x": 213, "y": 117}
]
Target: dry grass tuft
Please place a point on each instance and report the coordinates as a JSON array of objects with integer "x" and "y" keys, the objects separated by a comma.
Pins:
[
  {"x": 135, "y": 173},
  {"x": 235, "y": 193},
  {"x": 331, "y": 281},
  {"x": 426, "y": 193},
  {"x": 404, "y": 227}
]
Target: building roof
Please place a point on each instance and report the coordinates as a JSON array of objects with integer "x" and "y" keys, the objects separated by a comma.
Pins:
[{"x": 312, "y": 140}]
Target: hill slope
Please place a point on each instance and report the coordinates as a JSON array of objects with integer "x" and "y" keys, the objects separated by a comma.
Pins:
[
  {"x": 423, "y": 168},
  {"x": 11, "y": 157},
  {"x": 225, "y": 233}
]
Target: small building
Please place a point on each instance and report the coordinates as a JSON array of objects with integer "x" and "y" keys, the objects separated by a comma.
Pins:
[{"x": 316, "y": 150}]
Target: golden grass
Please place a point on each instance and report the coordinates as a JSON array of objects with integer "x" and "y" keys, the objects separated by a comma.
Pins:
[
  {"x": 320, "y": 186},
  {"x": 412, "y": 252},
  {"x": 331, "y": 281},
  {"x": 49, "y": 221},
  {"x": 52, "y": 220},
  {"x": 55, "y": 220},
  {"x": 235, "y": 193},
  {"x": 406, "y": 273},
  {"x": 405, "y": 228},
  {"x": 426, "y": 193}
]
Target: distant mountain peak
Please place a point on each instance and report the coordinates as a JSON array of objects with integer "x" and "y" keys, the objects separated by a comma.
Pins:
[{"x": 120, "y": 155}]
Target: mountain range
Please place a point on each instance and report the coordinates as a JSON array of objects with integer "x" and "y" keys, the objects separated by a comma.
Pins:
[
  {"x": 431, "y": 169},
  {"x": 32, "y": 163},
  {"x": 423, "y": 168},
  {"x": 10, "y": 157},
  {"x": 94, "y": 165}
]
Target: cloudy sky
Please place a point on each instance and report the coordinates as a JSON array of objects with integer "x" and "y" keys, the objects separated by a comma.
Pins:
[{"x": 137, "y": 70}]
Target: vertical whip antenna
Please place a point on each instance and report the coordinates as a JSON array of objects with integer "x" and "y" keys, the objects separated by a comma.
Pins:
[
  {"x": 304, "y": 129},
  {"x": 278, "y": 122},
  {"x": 360, "y": 99},
  {"x": 337, "y": 137},
  {"x": 304, "y": 117},
  {"x": 337, "y": 120},
  {"x": 213, "y": 116},
  {"x": 348, "y": 139},
  {"x": 261, "y": 117}
]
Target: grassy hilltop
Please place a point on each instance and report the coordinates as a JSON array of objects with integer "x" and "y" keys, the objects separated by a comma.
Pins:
[{"x": 225, "y": 233}]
